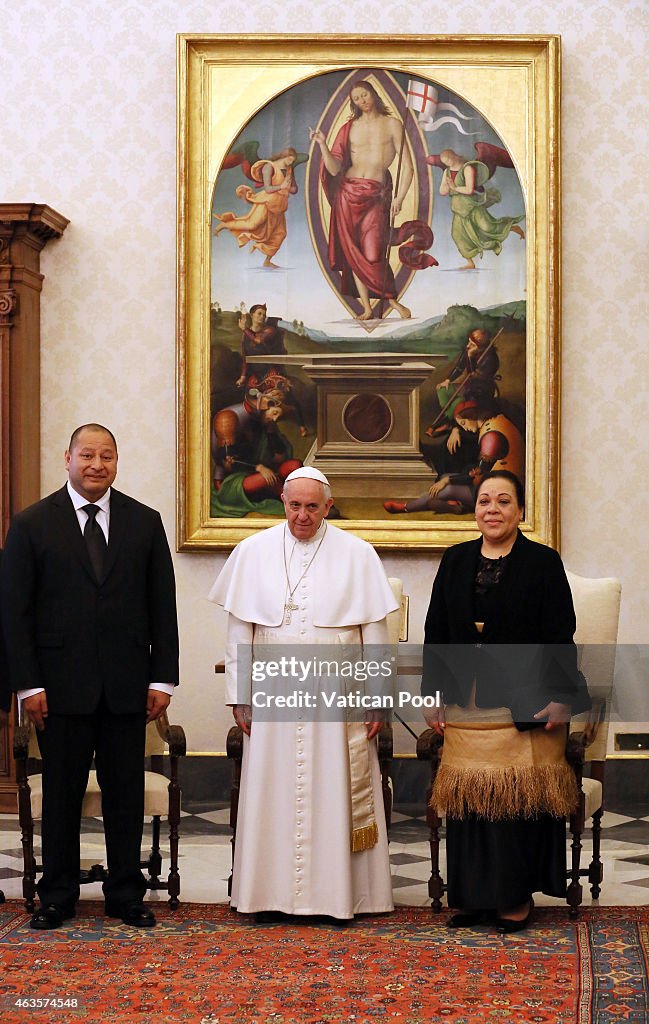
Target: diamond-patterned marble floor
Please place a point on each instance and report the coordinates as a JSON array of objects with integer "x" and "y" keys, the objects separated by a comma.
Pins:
[{"x": 205, "y": 856}]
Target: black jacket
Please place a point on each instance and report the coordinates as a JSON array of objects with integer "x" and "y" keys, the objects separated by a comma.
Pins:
[
  {"x": 78, "y": 637},
  {"x": 525, "y": 655}
]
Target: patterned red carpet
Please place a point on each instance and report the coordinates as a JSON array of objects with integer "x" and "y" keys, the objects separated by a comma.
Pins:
[{"x": 204, "y": 965}]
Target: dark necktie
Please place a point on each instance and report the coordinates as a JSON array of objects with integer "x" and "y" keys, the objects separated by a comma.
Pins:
[{"x": 95, "y": 540}]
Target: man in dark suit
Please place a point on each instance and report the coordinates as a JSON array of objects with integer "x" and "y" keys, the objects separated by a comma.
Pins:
[{"x": 89, "y": 611}]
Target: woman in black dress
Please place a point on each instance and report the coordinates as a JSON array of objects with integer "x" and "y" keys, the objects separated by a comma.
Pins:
[{"x": 499, "y": 645}]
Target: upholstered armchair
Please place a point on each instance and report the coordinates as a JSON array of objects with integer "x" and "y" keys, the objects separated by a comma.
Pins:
[
  {"x": 161, "y": 800},
  {"x": 597, "y": 607}
]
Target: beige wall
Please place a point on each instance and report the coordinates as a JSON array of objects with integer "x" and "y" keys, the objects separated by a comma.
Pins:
[{"x": 89, "y": 123}]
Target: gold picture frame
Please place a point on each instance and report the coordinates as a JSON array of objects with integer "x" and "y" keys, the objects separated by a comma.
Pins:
[{"x": 502, "y": 92}]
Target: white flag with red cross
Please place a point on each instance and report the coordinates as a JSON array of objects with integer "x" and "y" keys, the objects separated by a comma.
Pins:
[{"x": 423, "y": 98}]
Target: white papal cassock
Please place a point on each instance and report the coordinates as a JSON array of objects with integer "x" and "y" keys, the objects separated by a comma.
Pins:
[{"x": 293, "y": 851}]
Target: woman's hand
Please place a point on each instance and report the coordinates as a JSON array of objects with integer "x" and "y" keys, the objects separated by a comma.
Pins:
[
  {"x": 435, "y": 719},
  {"x": 556, "y": 714}
]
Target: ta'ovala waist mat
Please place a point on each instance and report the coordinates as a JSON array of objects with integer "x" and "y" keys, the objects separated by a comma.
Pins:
[{"x": 493, "y": 770}]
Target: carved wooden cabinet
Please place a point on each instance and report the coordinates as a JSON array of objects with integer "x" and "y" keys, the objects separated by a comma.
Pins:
[{"x": 25, "y": 228}]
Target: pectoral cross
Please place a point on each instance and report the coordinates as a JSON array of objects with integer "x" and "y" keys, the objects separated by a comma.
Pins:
[{"x": 288, "y": 608}]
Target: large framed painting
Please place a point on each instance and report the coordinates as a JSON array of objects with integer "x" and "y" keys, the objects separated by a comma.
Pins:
[{"x": 368, "y": 280}]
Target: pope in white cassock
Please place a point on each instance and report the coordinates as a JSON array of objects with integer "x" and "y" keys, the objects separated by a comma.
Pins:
[{"x": 311, "y": 834}]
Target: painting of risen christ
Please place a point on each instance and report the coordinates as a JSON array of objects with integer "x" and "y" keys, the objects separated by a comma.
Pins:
[
  {"x": 366, "y": 197},
  {"x": 368, "y": 307}
]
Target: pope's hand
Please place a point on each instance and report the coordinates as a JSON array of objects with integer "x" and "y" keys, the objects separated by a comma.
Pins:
[
  {"x": 243, "y": 716},
  {"x": 373, "y": 723}
]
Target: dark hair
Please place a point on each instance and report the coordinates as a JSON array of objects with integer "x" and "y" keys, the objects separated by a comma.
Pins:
[
  {"x": 378, "y": 102},
  {"x": 90, "y": 426},
  {"x": 479, "y": 336},
  {"x": 258, "y": 305},
  {"x": 505, "y": 474}
]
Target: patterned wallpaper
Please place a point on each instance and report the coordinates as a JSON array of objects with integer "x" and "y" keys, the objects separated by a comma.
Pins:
[{"x": 89, "y": 121}]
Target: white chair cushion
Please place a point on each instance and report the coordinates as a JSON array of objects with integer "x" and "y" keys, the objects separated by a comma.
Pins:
[
  {"x": 394, "y": 618},
  {"x": 597, "y": 607},
  {"x": 593, "y": 794},
  {"x": 156, "y": 796}
]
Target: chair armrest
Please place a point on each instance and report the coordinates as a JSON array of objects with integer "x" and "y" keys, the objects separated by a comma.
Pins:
[
  {"x": 173, "y": 735},
  {"x": 429, "y": 745},
  {"x": 21, "y": 742},
  {"x": 385, "y": 739},
  {"x": 576, "y": 748},
  {"x": 234, "y": 743}
]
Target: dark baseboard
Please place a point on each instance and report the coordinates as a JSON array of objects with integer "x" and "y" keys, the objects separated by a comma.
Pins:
[{"x": 207, "y": 780}]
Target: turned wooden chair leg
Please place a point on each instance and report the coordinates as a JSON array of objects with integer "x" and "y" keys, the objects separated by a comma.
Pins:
[
  {"x": 574, "y": 894},
  {"x": 234, "y": 750},
  {"x": 429, "y": 748},
  {"x": 173, "y": 881},
  {"x": 596, "y": 868},
  {"x": 385, "y": 751},
  {"x": 435, "y": 883},
  {"x": 154, "y": 863},
  {"x": 27, "y": 837}
]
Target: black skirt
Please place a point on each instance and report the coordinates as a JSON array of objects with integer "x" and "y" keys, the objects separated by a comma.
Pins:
[{"x": 494, "y": 865}]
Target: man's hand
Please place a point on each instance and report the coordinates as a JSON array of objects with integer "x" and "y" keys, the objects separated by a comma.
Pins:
[
  {"x": 435, "y": 719},
  {"x": 156, "y": 703},
  {"x": 556, "y": 714},
  {"x": 243, "y": 716},
  {"x": 268, "y": 475},
  {"x": 438, "y": 486},
  {"x": 454, "y": 440},
  {"x": 35, "y": 708}
]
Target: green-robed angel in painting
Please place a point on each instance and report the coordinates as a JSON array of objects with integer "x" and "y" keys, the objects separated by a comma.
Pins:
[{"x": 474, "y": 229}]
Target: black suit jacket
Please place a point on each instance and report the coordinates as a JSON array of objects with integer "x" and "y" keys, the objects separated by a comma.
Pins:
[
  {"x": 525, "y": 655},
  {"x": 78, "y": 637}
]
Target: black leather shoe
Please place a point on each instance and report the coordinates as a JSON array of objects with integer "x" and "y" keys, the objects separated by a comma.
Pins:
[
  {"x": 467, "y": 919},
  {"x": 49, "y": 916},
  {"x": 135, "y": 914},
  {"x": 507, "y": 926},
  {"x": 271, "y": 917}
]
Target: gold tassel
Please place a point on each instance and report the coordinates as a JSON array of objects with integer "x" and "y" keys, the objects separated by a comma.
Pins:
[{"x": 365, "y": 838}]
